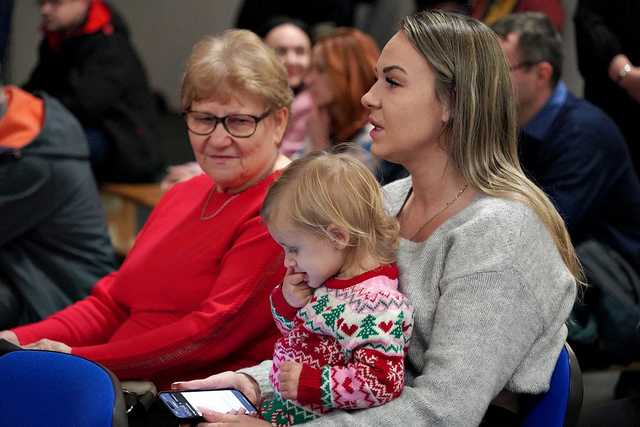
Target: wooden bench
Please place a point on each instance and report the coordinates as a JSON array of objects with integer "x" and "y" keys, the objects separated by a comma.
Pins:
[{"x": 126, "y": 207}]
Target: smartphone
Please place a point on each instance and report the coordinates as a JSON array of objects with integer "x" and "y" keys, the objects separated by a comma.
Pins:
[{"x": 185, "y": 404}]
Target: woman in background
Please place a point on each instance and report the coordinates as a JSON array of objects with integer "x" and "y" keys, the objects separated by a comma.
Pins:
[
  {"x": 342, "y": 70},
  {"x": 291, "y": 40}
]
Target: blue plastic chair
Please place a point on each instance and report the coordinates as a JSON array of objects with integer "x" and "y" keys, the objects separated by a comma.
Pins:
[
  {"x": 560, "y": 405},
  {"x": 45, "y": 388}
]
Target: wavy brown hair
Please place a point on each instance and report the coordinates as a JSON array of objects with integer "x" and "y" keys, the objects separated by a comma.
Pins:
[{"x": 349, "y": 57}]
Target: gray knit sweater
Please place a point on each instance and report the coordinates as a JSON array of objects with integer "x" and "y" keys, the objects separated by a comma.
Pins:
[{"x": 491, "y": 296}]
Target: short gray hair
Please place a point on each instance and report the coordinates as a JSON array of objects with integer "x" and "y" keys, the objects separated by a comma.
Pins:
[
  {"x": 538, "y": 42},
  {"x": 235, "y": 61}
]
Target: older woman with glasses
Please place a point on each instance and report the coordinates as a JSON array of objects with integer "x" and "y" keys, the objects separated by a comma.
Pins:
[
  {"x": 192, "y": 297},
  {"x": 291, "y": 41}
]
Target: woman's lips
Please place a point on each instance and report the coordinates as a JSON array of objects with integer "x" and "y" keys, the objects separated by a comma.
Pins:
[
  {"x": 216, "y": 158},
  {"x": 376, "y": 131}
]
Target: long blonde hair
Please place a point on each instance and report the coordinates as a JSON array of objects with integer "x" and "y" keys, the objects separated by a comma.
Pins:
[
  {"x": 472, "y": 79},
  {"x": 324, "y": 189}
]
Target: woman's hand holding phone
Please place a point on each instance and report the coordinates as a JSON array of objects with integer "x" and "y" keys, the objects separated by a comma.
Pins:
[
  {"x": 247, "y": 385},
  {"x": 228, "y": 379}
]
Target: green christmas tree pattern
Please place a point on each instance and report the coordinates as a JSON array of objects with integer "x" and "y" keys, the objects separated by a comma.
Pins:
[
  {"x": 319, "y": 306},
  {"x": 368, "y": 327},
  {"x": 331, "y": 317},
  {"x": 397, "y": 331}
]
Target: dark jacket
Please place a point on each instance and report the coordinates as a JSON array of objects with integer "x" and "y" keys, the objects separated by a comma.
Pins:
[
  {"x": 605, "y": 29},
  {"x": 54, "y": 244},
  {"x": 579, "y": 158},
  {"x": 100, "y": 79}
]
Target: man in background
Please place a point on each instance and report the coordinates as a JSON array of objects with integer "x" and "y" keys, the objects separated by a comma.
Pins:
[
  {"x": 53, "y": 240},
  {"x": 578, "y": 156},
  {"x": 87, "y": 61}
]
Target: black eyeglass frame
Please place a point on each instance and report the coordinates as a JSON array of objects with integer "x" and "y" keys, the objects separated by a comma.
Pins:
[{"x": 223, "y": 120}]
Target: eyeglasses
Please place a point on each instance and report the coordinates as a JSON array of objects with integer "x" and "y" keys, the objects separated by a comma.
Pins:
[
  {"x": 525, "y": 64},
  {"x": 237, "y": 125}
]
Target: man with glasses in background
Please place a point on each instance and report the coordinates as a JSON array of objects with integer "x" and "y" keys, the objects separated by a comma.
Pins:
[
  {"x": 577, "y": 154},
  {"x": 88, "y": 62}
]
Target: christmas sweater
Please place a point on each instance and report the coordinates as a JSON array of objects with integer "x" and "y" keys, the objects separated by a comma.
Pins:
[{"x": 351, "y": 339}]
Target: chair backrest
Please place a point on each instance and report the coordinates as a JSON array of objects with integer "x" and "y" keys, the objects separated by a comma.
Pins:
[
  {"x": 55, "y": 389},
  {"x": 560, "y": 405}
]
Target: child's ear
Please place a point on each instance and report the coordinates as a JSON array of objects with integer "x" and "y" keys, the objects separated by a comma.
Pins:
[{"x": 339, "y": 236}]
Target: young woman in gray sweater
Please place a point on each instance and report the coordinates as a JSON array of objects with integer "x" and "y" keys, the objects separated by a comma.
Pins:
[{"x": 484, "y": 257}]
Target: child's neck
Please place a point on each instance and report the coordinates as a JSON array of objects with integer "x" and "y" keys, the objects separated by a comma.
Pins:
[{"x": 359, "y": 265}]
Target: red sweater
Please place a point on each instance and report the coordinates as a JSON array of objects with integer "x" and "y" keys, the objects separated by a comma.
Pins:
[{"x": 192, "y": 297}]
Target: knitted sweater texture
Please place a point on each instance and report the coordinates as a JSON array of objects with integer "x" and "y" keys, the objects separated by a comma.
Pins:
[
  {"x": 492, "y": 296},
  {"x": 351, "y": 339}
]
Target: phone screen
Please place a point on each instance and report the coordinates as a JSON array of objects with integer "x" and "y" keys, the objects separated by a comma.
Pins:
[{"x": 185, "y": 404}]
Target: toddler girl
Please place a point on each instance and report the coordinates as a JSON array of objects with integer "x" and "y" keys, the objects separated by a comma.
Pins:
[{"x": 345, "y": 326}]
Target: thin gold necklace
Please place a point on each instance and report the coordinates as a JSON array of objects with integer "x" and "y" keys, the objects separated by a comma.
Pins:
[
  {"x": 446, "y": 206},
  {"x": 204, "y": 217}
]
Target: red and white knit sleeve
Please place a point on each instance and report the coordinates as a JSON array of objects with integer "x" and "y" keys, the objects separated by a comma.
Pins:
[{"x": 283, "y": 313}]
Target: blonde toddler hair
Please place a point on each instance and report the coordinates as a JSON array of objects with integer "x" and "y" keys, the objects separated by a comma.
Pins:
[{"x": 324, "y": 189}]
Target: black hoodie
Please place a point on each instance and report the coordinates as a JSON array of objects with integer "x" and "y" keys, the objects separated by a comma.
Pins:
[{"x": 98, "y": 76}]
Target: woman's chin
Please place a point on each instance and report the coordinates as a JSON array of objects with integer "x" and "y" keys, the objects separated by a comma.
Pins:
[{"x": 378, "y": 152}]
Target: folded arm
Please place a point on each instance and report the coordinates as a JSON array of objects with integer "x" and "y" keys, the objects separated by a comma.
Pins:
[
  {"x": 209, "y": 333},
  {"x": 90, "y": 321}
]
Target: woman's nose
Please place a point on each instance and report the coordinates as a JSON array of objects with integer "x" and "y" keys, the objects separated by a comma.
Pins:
[
  {"x": 219, "y": 137},
  {"x": 291, "y": 58}
]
